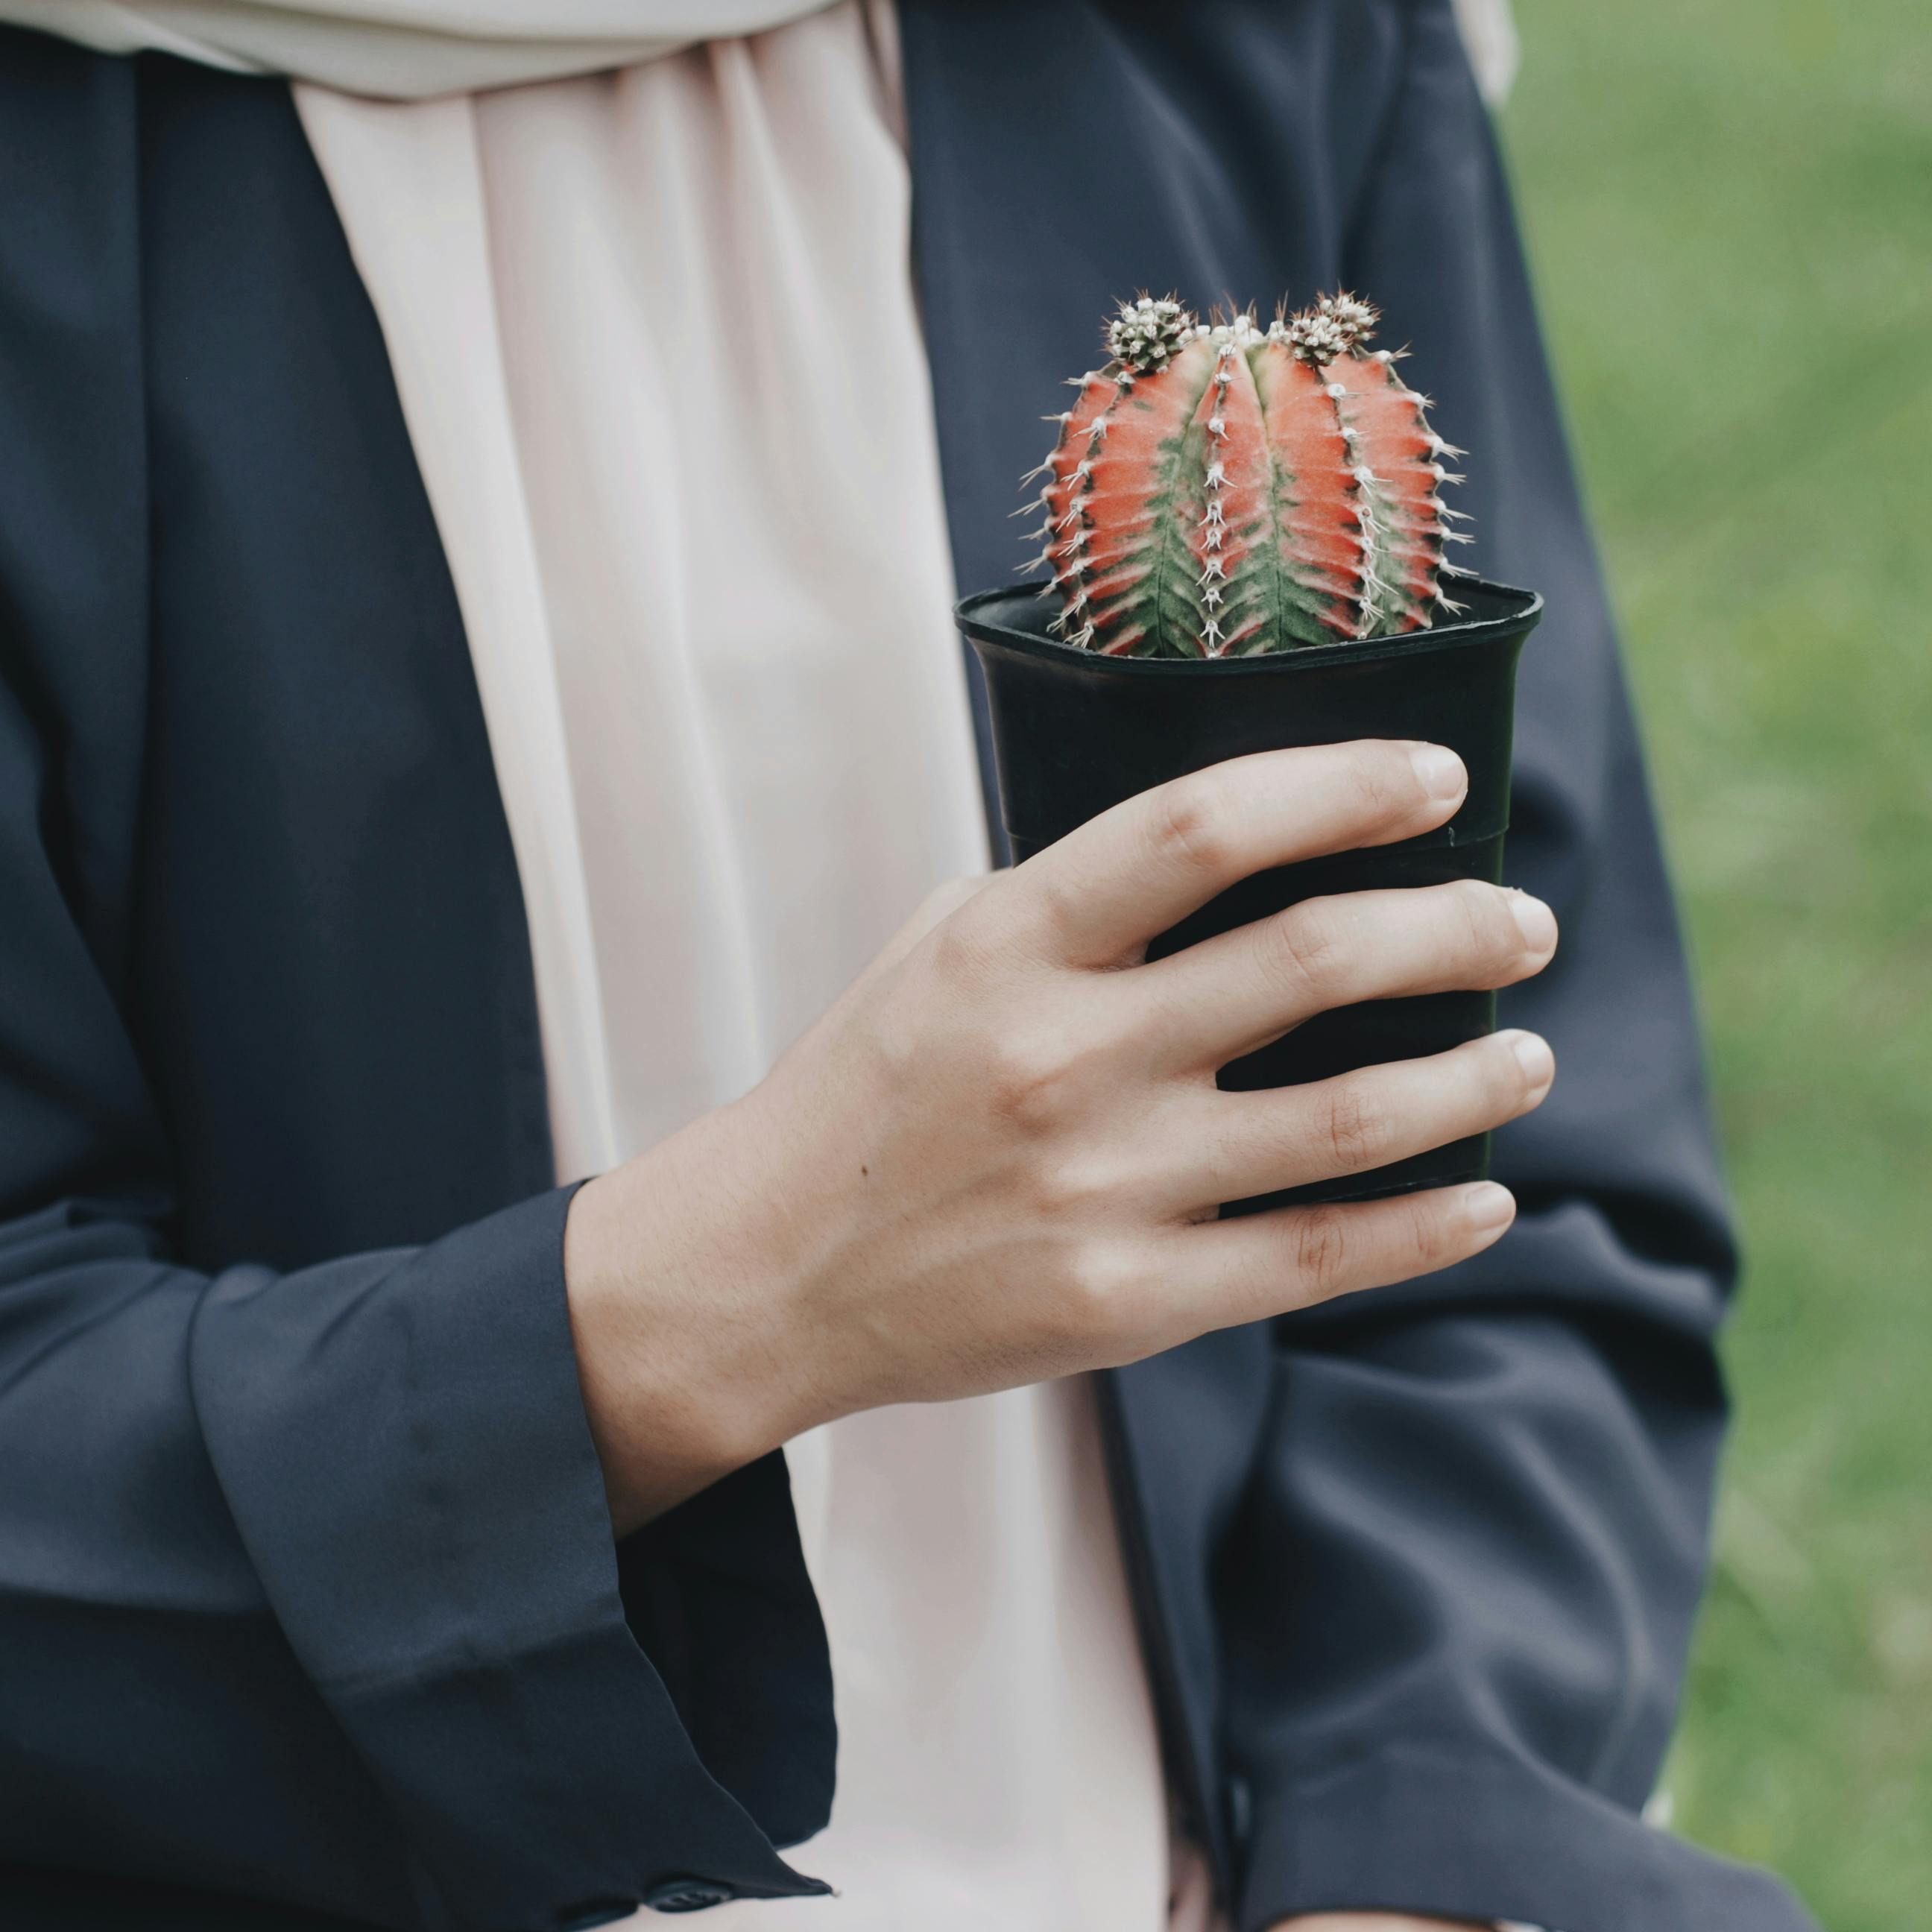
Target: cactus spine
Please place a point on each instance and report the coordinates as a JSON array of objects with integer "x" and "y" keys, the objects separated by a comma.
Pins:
[{"x": 1221, "y": 489}]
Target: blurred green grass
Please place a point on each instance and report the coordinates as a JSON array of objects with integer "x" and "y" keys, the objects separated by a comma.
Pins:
[{"x": 1729, "y": 206}]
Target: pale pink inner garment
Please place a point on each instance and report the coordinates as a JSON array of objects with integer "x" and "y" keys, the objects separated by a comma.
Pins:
[{"x": 654, "y": 335}]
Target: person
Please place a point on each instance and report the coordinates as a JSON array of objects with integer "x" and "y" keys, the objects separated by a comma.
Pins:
[{"x": 485, "y": 486}]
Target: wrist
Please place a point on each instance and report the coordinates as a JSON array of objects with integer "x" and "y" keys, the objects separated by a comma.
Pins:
[{"x": 680, "y": 1304}]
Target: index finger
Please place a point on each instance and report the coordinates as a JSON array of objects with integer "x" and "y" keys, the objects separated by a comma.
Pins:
[{"x": 1099, "y": 895}]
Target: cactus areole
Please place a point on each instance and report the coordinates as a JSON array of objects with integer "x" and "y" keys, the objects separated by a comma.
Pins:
[{"x": 1220, "y": 490}]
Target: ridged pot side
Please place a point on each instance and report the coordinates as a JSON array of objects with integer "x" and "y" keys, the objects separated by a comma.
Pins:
[{"x": 1075, "y": 733}]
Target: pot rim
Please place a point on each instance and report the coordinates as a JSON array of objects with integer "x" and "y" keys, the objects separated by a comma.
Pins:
[{"x": 1527, "y": 608}]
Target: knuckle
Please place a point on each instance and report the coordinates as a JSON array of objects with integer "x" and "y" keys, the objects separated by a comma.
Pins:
[
  {"x": 1430, "y": 1238},
  {"x": 1029, "y": 1076},
  {"x": 1070, "y": 1190},
  {"x": 1052, "y": 904},
  {"x": 1322, "y": 1249},
  {"x": 901, "y": 1032},
  {"x": 1191, "y": 826},
  {"x": 1094, "y": 1288},
  {"x": 947, "y": 905},
  {"x": 1021, "y": 1069},
  {"x": 1312, "y": 950},
  {"x": 1353, "y": 1131}
]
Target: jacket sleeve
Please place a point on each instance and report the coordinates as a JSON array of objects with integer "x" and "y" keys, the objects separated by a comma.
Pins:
[
  {"x": 307, "y": 1587},
  {"x": 1457, "y": 1603}
]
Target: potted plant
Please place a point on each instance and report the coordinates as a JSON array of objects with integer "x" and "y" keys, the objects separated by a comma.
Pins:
[{"x": 1244, "y": 539}]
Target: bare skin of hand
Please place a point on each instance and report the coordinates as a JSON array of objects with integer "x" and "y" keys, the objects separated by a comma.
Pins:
[{"x": 997, "y": 1158}]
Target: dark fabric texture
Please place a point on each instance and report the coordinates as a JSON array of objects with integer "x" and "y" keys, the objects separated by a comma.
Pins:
[
  {"x": 307, "y": 1589},
  {"x": 308, "y": 1595},
  {"x": 1417, "y": 1571}
]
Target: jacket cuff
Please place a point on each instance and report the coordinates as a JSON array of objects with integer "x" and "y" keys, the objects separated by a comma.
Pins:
[
  {"x": 402, "y": 1442},
  {"x": 1445, "y": 1834}
]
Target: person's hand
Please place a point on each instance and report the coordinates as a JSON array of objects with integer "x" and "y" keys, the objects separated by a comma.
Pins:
[{"x": 997, "y": 1159}]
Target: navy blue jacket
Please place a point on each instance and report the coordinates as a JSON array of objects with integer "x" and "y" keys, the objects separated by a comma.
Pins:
[{"x": 308, "y": 1596}]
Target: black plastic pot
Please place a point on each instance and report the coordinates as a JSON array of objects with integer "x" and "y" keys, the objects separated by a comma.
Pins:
[{"x": 1074, "y": 733}]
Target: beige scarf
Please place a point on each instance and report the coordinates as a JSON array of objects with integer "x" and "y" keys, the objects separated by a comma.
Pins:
[{"x": 405, "y": 50}]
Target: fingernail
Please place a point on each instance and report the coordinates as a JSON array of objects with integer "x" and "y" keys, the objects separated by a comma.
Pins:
[
  {"x": 1536, "y": 922},
  {"x": 1441, "y": 772},
  {"x": 1534, "y": 1056},
  {"x": 1485, "y": 1204}
]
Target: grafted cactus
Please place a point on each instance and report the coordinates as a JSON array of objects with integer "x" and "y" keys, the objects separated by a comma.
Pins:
[{"x": 1222, "y": 489}]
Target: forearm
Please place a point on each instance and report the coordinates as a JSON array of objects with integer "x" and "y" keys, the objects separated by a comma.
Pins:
[{"x": 681, "y": 1288}]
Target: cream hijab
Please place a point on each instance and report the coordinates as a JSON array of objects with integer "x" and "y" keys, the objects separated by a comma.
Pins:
[{"x": 405, "y": 50}]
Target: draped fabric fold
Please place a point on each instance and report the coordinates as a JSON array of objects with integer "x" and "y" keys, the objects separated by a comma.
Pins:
[
  {"x": 405, "y": 50},
  {"x": 654, "y": 333}
]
